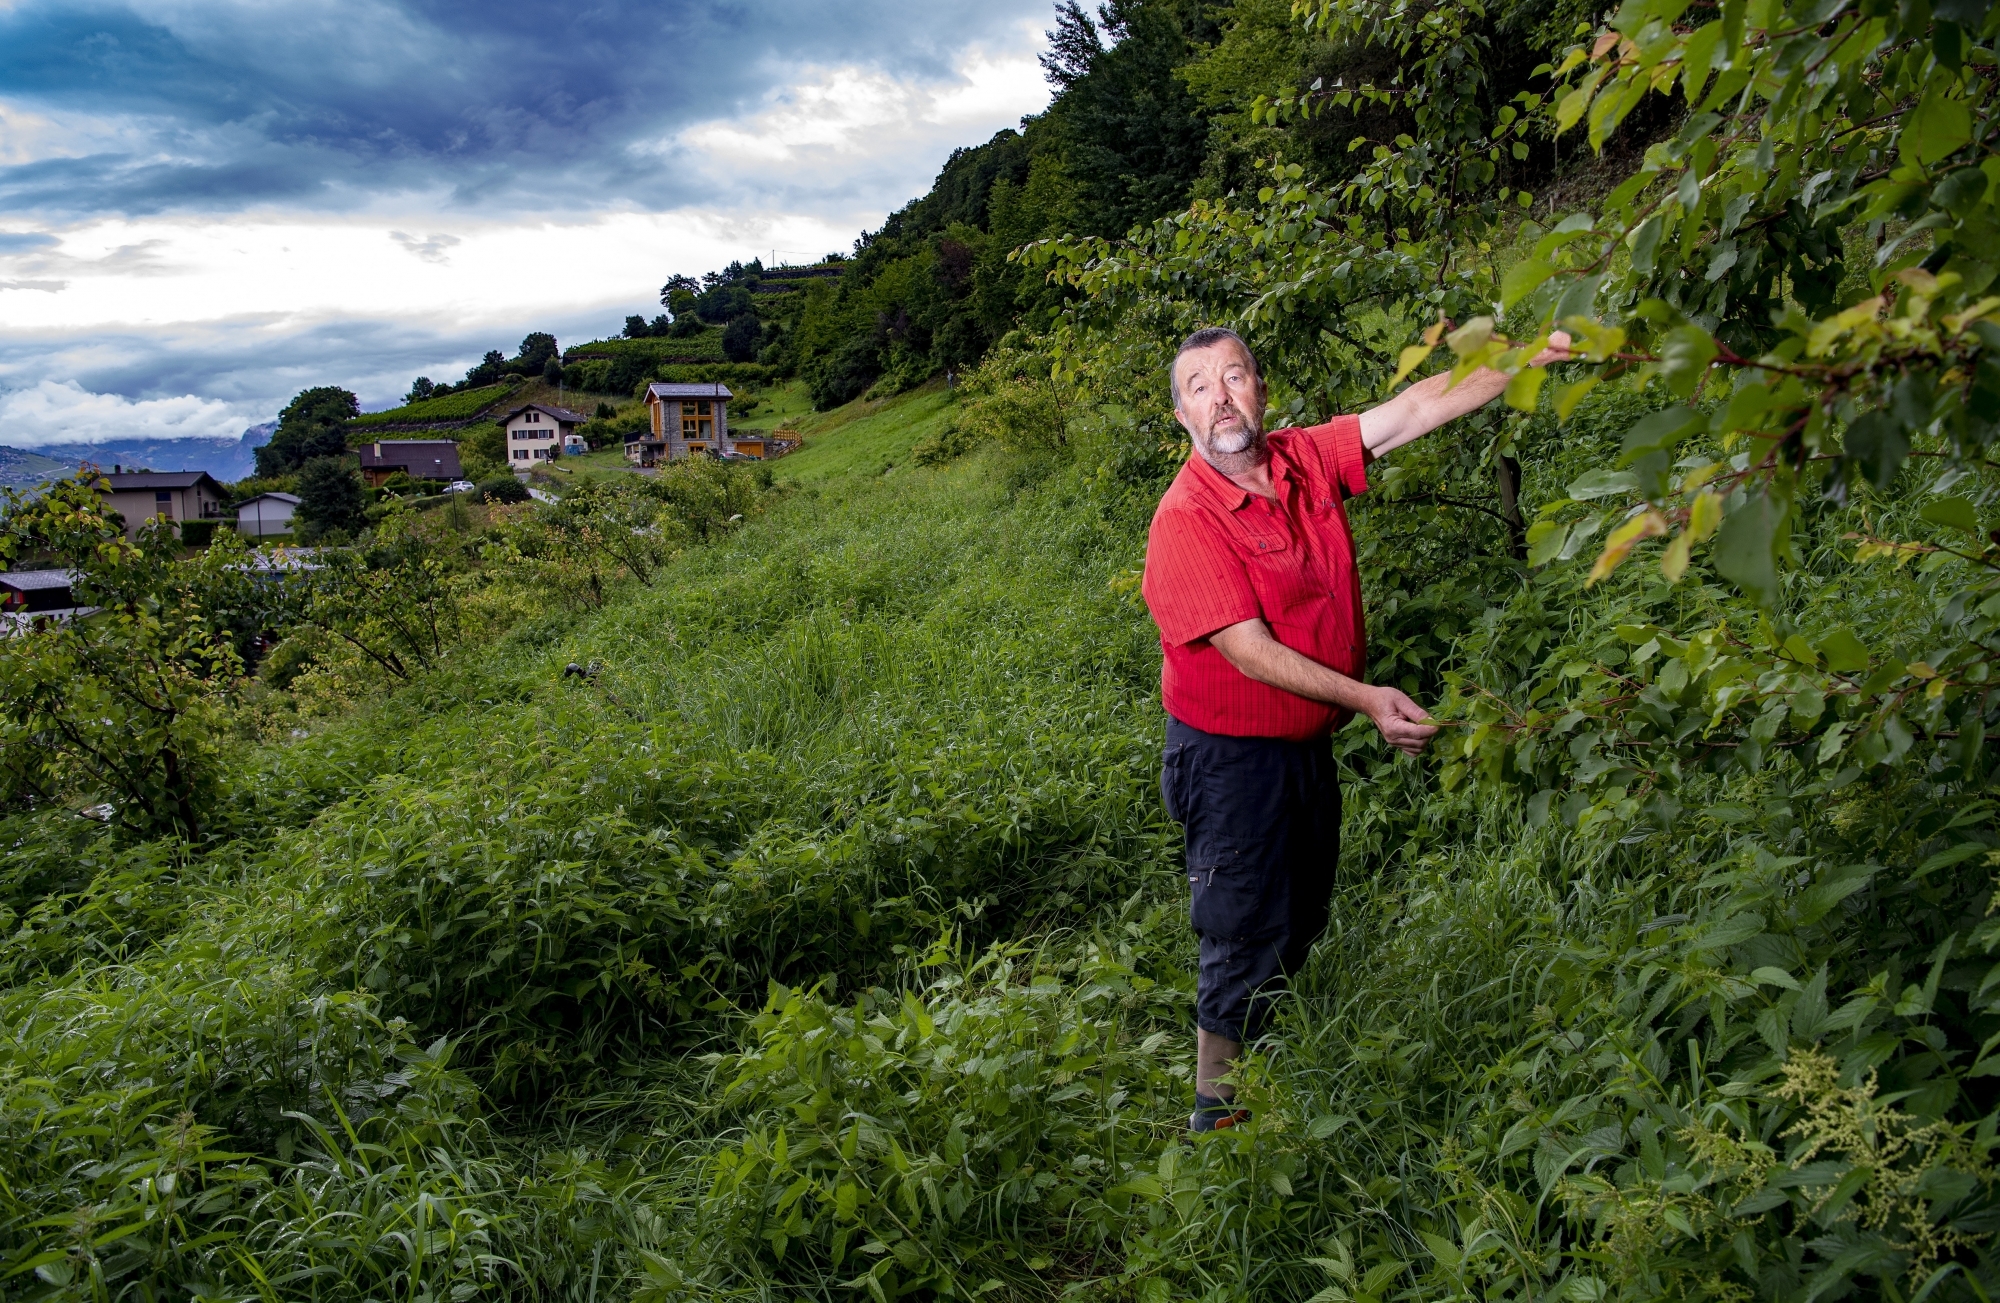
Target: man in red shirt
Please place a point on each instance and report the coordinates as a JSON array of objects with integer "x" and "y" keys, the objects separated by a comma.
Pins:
[{"x": 1251, "y": 577}]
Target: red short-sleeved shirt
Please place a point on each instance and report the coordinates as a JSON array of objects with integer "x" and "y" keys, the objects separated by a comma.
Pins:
[{"x": 1218, "y": 555}]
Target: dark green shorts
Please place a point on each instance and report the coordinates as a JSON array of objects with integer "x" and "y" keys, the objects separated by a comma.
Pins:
[{"x": 1262, "y": 818}]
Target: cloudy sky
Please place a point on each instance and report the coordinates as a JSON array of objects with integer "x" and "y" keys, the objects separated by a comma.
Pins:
[{"x": 207, "y": 205}]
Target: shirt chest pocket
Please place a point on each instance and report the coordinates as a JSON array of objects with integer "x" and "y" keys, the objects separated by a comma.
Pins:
[{"x": 1278, "y": 573}]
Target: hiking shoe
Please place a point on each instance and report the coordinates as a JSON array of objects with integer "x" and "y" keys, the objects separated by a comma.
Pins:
[{"x": 1215, "y": 1114}]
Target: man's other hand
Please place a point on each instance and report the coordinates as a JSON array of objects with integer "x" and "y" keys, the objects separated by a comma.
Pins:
[{"x": 1400, "y": 719}]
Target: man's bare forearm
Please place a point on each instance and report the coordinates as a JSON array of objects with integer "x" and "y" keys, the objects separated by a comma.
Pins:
[
  {"x": 1257, "y": 655},
  {"x": 1426, "y": 405},
  {"x": 1250, "y": 647},
  {"x": 1434, "y": 400}
]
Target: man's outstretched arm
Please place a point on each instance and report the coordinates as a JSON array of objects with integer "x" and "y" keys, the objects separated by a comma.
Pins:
[
  {"x": 1432, "y": 401},
  {"x": 1250, "y": 647}
]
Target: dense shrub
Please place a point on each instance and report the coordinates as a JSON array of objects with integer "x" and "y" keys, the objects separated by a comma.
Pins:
[
  {"x": 503, "y": 488},
  {"x": 197, "y": 533}
]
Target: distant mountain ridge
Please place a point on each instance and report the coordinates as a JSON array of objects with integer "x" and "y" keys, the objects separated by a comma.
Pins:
[{"x": 225, "y": 459}]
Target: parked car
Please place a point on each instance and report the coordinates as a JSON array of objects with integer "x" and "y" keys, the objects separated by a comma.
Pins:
[{"x": 461, "y": 486}]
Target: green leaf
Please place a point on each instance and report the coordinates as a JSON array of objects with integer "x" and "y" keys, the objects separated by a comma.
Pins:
[
  {"x": 1954, "y": 513},
  {"x": 1878, "y": 445},
  {"x": 1843, "y": 651},
  {"x": 1684, "y": 358},
  {"x": 1524, "y": 390},
  {"x": 1602, "y": 484},
  {"x": 1659, "y": 432},
  {"x": 1522, "y": 279},
  {"x": 1935, "y": 129},
  {"x": 1946, "y": 858},
  {"x": 1545, "y": 541},
  {"x": 1834, "y": 886},
  {"x": 1644, "y": 241},
  {"x": 1571, "y": 394},
  {"x": 1696, "y": 55},
  {"x": 1746, "y": 547}
]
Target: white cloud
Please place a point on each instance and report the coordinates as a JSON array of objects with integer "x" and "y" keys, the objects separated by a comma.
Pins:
[
  {"x": 237, "y": 311},
  {"x": 431, "y": 248},
  {"x": 811, "y": 131},
  {"x": 62, "y": 411},
  {"x": 30, "y": 137}
]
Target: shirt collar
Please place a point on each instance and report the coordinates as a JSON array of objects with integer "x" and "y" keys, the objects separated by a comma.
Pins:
[{"x": 1233, "y": 495}]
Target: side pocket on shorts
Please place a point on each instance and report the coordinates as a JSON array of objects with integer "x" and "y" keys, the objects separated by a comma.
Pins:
[
  {"x": 1174, "y": 762},
  {"x": 1227, "y": 885}
]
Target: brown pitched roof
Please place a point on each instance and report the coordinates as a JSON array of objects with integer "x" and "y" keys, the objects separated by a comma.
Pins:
[
  {"x": 423, "y": 459},
  {"x": 123, "y": 480},
  {"x": 562, "y": 414}
]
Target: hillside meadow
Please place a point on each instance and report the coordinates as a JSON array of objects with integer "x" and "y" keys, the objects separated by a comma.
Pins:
[{"x": 820, "y": 933}]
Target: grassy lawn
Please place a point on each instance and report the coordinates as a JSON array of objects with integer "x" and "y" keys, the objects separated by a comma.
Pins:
[
  {"x": 602, "y": 463},
  {"x": 784, "y": 404},
  {"x": 861, "y": 439},
  {"x": 866, "y": 438}
]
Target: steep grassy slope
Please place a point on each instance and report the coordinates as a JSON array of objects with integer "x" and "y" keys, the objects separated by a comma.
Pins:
[
  {"x": 825, "y": 938},
  {"x": 889, "y": 713}
]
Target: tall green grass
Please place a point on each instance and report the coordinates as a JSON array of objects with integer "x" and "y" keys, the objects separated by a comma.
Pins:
[{"x": 827, "y": 940}]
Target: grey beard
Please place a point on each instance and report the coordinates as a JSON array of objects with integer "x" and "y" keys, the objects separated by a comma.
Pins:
[{"x": 1234, "y": 454}]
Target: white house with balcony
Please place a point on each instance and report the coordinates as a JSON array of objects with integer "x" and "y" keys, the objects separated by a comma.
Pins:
[{"x": 536, "y": 432}]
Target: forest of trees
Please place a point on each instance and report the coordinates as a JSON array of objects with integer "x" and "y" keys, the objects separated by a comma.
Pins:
[{"x": 1155, "y": 104}]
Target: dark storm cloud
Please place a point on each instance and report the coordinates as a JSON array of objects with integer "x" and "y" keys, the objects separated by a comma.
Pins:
[
  {"x": 220, "y": 106},
  {"x": 257, "y": 362}
]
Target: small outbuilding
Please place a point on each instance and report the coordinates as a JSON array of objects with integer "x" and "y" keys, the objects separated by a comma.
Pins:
[
  {"x": 420, "y": 459},
  {"x": 266, "y": 514},
  {"x": 36, "y": 590},
  {"x": 33, "y": 597}
]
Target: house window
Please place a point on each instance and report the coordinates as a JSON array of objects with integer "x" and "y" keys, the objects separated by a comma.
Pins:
[{"x": 697, "y": 420}]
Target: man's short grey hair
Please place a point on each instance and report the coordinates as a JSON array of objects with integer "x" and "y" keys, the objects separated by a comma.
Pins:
[{"x": 1204, "y": 338}]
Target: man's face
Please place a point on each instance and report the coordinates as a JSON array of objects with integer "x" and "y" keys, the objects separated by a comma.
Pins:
[{"x": 1221, "y": 400}]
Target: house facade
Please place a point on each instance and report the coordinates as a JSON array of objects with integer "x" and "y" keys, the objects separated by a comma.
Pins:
[
  {"x": 684, "y": 419},
  {"x": 266, "y": 514},
  {"x": 420, "y": 459},
  {"x": 536, "y": 433},
  {"x": 175, "y": 496}
]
